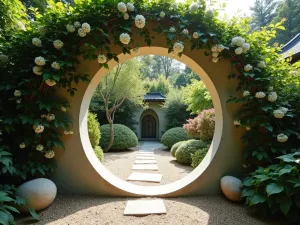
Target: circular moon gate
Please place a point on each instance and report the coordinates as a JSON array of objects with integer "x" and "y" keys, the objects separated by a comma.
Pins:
[{"x": 79, "y": 170}]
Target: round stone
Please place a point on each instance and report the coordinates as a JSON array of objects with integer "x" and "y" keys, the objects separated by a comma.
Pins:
[
  {"x": 38, "y": 193},
  {"x": 232, "y": 188}
]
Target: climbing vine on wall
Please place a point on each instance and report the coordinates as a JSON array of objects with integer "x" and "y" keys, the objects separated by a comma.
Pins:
[{"x": 38, "y": 62}]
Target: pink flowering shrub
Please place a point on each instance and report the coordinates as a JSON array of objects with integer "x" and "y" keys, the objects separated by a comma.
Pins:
[{"x": 202, "y": 126}]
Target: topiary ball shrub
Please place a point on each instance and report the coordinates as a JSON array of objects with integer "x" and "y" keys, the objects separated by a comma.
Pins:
[
  {"x": 175, "y": 147},
  {"x": 174, "y": 135},
  {"x": 93, "y": 130},
  {"x": 198, "y": 156},
  {"x": 124, "y": 137},
  {"x": 99, "y": 153},
  {"x": 202, "y": 126},
  {"x": 185, "y": 150}
]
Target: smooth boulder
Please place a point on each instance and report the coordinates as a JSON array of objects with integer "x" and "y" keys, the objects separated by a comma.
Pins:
[
  {"x": 38, "y": 193},
  {"x": 232, "y": 188}
]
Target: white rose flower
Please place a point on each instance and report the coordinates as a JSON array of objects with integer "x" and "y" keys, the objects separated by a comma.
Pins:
[
  {"x": 38, "y": 129},
  {"x": 278, "y": 114},
  {"x": 260, "y": 94},
  {"x": 214, "y": 48},
  {"x": 237, "y": 122},
  {"x": 37, "y": 70},
  {"x": 70, "y": 28},
  {"x": 125, "y": 38},
  {"x": 58, "y": 44},
  {"x": 248, "y": 128},
  {"x": 238, "y": 41},
  {"x": 37, "y": 42},
  {"x": 220, "y": 47},
  {"x": 130, "y": 7},
  {"x": 86, "y": 27},
  {"x": 102, "y": 59},
  {"x": 122, "y": 7},
  {"x": 282, "y": 138},
  {"x": 270, "y": 88},
  {"x": 40, "y": 61},
  {"x": 71, "y": 132},
  {"x": 215, "y": 54},
  {"x": 261, "y": 65},
  {"x": 22, "y": 145},
  {"x": 50, "y": 117},
  {"x": 248, "y": 67},
  {"x": 17, "y": 93},
  {"x": 209, "y": 12},
  {"x": 62, "y": 108},
  {"x": 77, "y": 24},
  {"x": 136, "y": 50},
  {"x": 215, "y": 60},
  {"x": 195, "y": 35},
  {"x": 238, "y": 51},
  {"x": 162, "y": 14},
  {"x": 3, "y": 58},
  {"x": 185, "y": 31},
  {"x": 194, "y": 7},
  {"x": 50, "y": 82},
  {"x": 49, "y": 154},
  {"x": 19, "y": 101},
  {"x": 125, "y": 16},
  {"x": 172, "y": 29},
  {"x": 272, "y": 96},
  {"x": 140, "y": 21},
  {"x": 81, "y": 32},
  {"x": 178, "y": 47},
  {"x": 40, "y": 147},
  {"x": 20, "y": 26},
  {"x": 55, "y": 65},
  {"x": 246, "y": 93},
  {"x": 246, "y": 47},
  {"x": 66, "y": 132},
  {"x": 283, "y": 109}
]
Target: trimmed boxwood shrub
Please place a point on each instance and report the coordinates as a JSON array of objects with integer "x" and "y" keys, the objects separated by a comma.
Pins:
[
  {"x": 94, "y": 130},
  {"x": 185, "y": 150},
  {"x": 99, "y": 153},
  {"x": 124, "y": 138},
  {"x": 172, "y": 136},
  {"x": 175, "y": 147},
  {"x": 198, "y": 156}
]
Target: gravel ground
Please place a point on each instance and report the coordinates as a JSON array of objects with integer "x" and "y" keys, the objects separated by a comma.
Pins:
[
  {"x": 120, "y": 164},
  {"x": 86, "y": 210}
]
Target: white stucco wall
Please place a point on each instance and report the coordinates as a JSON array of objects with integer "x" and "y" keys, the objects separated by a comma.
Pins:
[{"x": 157, "y": 108}]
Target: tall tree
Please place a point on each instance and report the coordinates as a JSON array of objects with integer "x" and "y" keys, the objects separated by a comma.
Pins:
[
  {"x": 263, "y": 12},
  {"x": 290, "y": 11},
  {"x": 120, "y": 84}
]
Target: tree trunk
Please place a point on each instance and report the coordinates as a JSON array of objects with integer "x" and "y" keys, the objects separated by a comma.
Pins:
[{"x": 111, "y": 137}]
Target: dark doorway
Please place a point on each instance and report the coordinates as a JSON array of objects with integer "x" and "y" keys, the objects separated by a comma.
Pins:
[{"x": 148, "y": 127}]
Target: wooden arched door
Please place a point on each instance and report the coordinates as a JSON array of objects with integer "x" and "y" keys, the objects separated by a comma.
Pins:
[{"x": 148, "y": 127}]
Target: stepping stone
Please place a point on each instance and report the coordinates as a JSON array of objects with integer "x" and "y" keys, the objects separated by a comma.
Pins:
[
  {"x": 146, "y": 150},
  {"x": 145, "y": 167},
  {"x": 145, "y": 161},
  {"x": 144, "y": 207},
  {"x": 145, "y": 157},
  {"x": 147, "y": 177},
  {"x": 145, "y": 153}
]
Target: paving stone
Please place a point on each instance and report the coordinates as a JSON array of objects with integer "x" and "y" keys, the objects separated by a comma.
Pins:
[
  {"x": 144, "y": 207},
  {"x": 145, "y": 161},
  {"x": 144, "y": 167},
  {"x": 145, "y": 157},
  {"x": 147, "y": 177}
]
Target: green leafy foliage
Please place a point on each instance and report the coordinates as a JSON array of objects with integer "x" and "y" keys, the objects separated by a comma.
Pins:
[
  {"x": 93, "y": 130},
  {"x": 175, "y": 147},
  {"x": 185, "y": 150},
  {"x": 99, "y": 153},
  {"x": 198, "y": 156},
  {"x": 124, "y": 138},
  {"x": 173, "y": 135}
]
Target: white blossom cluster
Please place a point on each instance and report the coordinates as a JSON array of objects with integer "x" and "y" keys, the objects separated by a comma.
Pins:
[
  {"x": 237, "y": 122},
  {"x": 248, "y": 128},
  {"x": 18, "y": 101},
  {"x": 261, "y": 65},
  {"x": 178, "y": 47},
  {"x": 248, "y": 68},
  {"x": 130, "y": 7},
  {"x": 272, "y": 96},
  {"x": 282, "y": 138},
  {"x": 67, "y": 132},
  {"x": 70, "y": 28},
  {"x": 126, "y": 16},
  {"x": 194, "y": 7},
  {"x": 209, "y": 12},
  {"x": 125, "y": 38},
  {"x": 58, "y": 44},
  {"x": 172, "y": 29},
  {"x": 242, "y": 46},
  {"x": 38, "y": 128},
  {"x": 246, "y": 93},
  {"x": 62, "y": 108},
  {"x": 50, "y": 82},
  {"x": 280, "y": 113},
  {"x": 49, "y": 154},
  {"x": 140, "y": 21},
  {"x": 17, "y": 93},
  {"x": 85, "y": 28},
  {"x": 260, "y": 94},
  {"x": 38, "y": 70},
  {"x": 22, "y": 145},
  {"x": 50, "y": 117},
  {"x": 36, "y": 42},
  {"x": 185, "y": 31},
  {"x": 55, "y": 65},
  {"x": 40, "y": 61},
  {"x": 216, "y": 50},
  {"x": 39, "y": 147},
  {"x": 122, "y": 7},
  {"x": 196, "y": 35},
  {"x": 102, "y": 59}
]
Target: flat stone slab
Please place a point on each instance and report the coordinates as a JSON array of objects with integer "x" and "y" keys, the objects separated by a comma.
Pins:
[
  {"x": 146, "y": 157},
  {"x": 144, "y": 167},
  {"x": 147, "y": 177},
  {"x": 144, "y": 207},
  {"x": 145, "y": 153},
  {"x": 145, "y": 161}
]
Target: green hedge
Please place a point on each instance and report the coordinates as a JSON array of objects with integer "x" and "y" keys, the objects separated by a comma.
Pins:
[
  {"x": 175, "y": 147},
  {"x": 124, "y": 138},
  {"x": 185, "y": 150},
  {"x": 198, "y": 156},
  {"x": 94, "y": 130},
  {"x": 174, "y": 135},
  {"x": 99, "y": 153}
]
